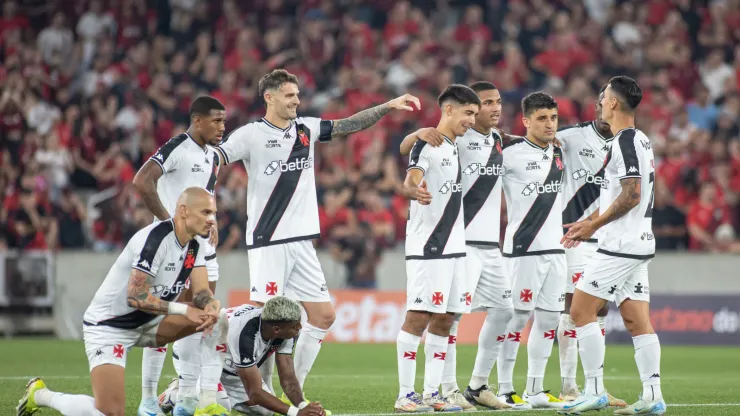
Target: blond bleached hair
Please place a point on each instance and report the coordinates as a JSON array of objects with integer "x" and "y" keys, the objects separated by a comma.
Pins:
[{"x": 281, "y": 308}]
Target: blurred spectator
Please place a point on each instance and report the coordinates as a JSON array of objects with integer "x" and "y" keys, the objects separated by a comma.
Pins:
[
  {"x": 704, "y": 218},
  {"x": 669, "y": 223},
  {"x": 71, "y": 216}
]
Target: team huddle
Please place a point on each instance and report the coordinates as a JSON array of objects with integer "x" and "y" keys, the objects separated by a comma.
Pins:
[{"x": 579, "y": 207}]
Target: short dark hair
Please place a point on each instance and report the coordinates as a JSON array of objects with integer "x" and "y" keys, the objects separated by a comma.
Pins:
[
  {"x": 603, "y": 88},
  {"x": 203, "y": 105},
  {"x": 459, "y": 94},
  {"x": 479, "y": 86},
  {"x": 628, "y": 91},
  {"x": 273, "y": 81},
  {"x": 537, "y": 101}
]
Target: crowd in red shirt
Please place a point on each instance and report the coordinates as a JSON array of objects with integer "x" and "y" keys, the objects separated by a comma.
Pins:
[{"x": 91, "y": 88}]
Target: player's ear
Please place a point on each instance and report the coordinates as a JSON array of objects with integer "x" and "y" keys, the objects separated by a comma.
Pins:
[{"x": 525, "y": 121}]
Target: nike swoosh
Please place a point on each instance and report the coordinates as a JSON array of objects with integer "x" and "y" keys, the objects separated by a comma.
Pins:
[
  {"x": 570, "y": 406},
  {"x": 639, "y": 410}
]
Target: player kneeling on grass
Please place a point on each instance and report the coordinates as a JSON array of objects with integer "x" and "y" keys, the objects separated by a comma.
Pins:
[
  {"x": 255, "y": 334},
  {"x": 134, "y": 307}
]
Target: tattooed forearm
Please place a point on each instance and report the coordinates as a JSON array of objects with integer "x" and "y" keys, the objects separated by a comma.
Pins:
[
  {"x": 288, "y": 380},
  {"x": 360, "y": 121},
  {"x": 202, "y": 298},
  {"x": 138, "y": 295},
  {"x": 627, "y": 199}
]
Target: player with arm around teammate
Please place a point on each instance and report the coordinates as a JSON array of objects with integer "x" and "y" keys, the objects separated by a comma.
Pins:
[
  {"x": 135, "y": 307},
  {"x": 186, "y": 160},
  {"x": 481, "y": 159},
  {"x": 585, "y": 146},
  {"x": 278, "y": 154},
  {"x": 436, "y": 287},
  {"x": 618, "y": 270}
]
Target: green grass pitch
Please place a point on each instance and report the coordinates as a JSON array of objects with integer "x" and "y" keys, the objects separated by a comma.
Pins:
[{"x": 361, "y": 379}]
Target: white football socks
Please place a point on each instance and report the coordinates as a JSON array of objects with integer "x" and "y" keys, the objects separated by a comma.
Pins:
[
  {"x": 407, "y": 346},
  {"x": 491, "y": 338},
  {"x": 449, "y": 375},
  {"x": 151, "y": 369},
  {"x": 307, "y": 349},
  {"x": 647, "y": 357},
  {"x": 509, "y": 350},
  {"x": 539, "y": 348},
  {"x": 435, "y": 351},
  {"x": 188, "y": 353},
  {"x": 592, "y": 348},
  {"x": 568, "y": 350},
  {"x": 67, "y": 404}
]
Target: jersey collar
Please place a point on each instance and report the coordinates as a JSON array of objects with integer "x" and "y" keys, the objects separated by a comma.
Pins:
[
  {"x": 484, "y": 135},
  {"x": 175, "y": 234},
  {"x": 626, "y": 128},
  {"x": 264, "y": 120},
  {"x": 536, "y": 146},
  {"x": 204, "y": 148},
  {"x": 448, "y": 140},
  {"x": 598, "y": 133}
]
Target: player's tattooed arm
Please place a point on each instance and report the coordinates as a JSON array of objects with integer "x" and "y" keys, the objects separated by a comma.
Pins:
[
  {"x": 367, "y": 118},
  {"x": 360, "y": 121},
  {"x": 626, "y": 200},
  {"x": 288, "y": 380},
  {"x": 145, "y": 183},
  {"x": 139, "y": 296}
]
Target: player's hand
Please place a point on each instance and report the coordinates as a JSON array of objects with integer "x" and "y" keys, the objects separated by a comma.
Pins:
[
  {"x": 404, "y": 103},
  {"x": 578, "y": 231},
  {"x": 421, "y": 195},
  {"x": 313, "y": 409},
  {"x": 196, "y": 316},
  {"x": 431, "y": 136},
  {"x": 213, "y": 236}
]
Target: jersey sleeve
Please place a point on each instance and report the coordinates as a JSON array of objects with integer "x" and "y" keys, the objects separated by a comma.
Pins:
[
  {"x": 287, "y": 347},
  {"x": 236, "y": 145},
  {"x": 149, "y": 251},
  {"x": 168, "y": 157},
  {"x": 320, "y": 130},
  {"x": 625, "y": 156},
  {"x": 420, "y": 157}
]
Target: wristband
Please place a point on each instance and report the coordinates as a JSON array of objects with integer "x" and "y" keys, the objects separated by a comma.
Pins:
[
  {"x": 176, "y": 308},
  {"x": 293, "y": 411},
  {"x": 303, "y": 404}
]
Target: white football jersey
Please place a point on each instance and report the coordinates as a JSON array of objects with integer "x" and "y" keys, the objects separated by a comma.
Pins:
[
  {"x": 584, "y": 152},
  {"x": 155, "y": 251},
  {"x": 533, "y": 190},
  {"x": 245, "y": 346},
  {"x": 281, "y": 195},
  {"x": 631, "y": 236},
  {"x": 437, "y": 230},
  {"x": 481, "y": 160},
  {"x": 184, "y": 164}
]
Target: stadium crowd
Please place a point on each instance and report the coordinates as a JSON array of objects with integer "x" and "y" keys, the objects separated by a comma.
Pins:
[{"x": 90, "y": 89}]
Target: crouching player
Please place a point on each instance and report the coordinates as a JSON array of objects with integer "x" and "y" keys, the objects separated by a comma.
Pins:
[{"x": 254, "y": 335}]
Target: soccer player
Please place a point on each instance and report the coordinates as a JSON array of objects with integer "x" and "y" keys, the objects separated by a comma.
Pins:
[
  {"x": 278, "y": 153},
  {"x": 481, "y": 159},
  {"x": 619, "y": 269},
  {"x": 135, "y": 307},
  {"x": 532, "y": 182},
  {"x": 436, "y": 287},
  {"x": 585, "y": 146},
  {"x": 255, "y": 334},
  {"x": 186, "y": 160}
]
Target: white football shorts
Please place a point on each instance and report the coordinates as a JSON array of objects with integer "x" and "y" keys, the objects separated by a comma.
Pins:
[
  {"x": 488, "y": 282},
  {"x": 289, "y": 269},
  {"x": 437, "y": 286},
  {"x": 616, "y": 279},
  {"x": 577, "y": 258},
  {"x": 538, "y": 282}
]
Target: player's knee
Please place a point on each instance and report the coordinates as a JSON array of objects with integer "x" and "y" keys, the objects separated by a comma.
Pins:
[
  {"x": 324, "y": 320},
  {"x": 505, "y": 315},
  {"x": 416, "y": 322},
  {"x": 581, "y": 316},
  {"x": 441, "y": 323},
  {"x": 110, "y": 409}
]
